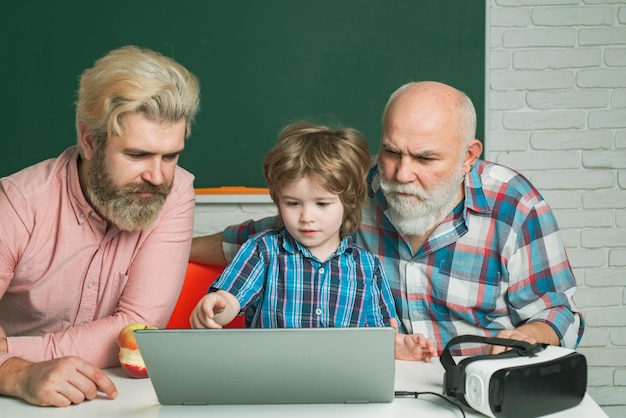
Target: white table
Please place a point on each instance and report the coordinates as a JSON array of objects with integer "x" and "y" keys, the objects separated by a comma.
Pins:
[{"x": 137, "y": 399}]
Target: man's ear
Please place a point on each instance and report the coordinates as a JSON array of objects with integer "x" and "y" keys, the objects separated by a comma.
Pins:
[
  {"x": 473, "y": 153},
  {"x": 87, "y": 140}
]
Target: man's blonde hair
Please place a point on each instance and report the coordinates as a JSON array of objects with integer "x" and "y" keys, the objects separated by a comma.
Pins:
[{"x": 135, "y": 80}]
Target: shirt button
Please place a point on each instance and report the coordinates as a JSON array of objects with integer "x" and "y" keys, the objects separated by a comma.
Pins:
[
  {"x": 90, "y": 285},
  {"x": 322, "y": 270},
  {"x": 416, "y": 314},
  {"x": 318, "y": 311},
  {"x": 82, "y": 216}
]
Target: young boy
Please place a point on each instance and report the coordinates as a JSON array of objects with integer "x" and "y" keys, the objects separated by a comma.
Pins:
[{"x": 308, "y": 272}]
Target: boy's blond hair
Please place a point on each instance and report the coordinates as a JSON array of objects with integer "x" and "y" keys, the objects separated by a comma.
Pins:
[{"x": 336, "y": 159}]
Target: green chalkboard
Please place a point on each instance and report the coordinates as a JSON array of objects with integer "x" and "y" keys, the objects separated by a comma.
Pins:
[{"x": 261, "y": 64}]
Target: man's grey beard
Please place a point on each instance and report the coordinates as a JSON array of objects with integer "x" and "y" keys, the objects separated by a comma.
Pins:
[
  {"x": 421, "y": 212},
  {"x": 123, "y": 206}
]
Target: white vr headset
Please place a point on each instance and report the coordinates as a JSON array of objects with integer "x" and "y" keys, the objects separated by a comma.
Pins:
[{"x": 526, "y": 381}]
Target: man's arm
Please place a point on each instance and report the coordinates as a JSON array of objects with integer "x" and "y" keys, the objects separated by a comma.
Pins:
[
  {"x": 141, "y": 280},
  {"x": 59, "y": 382},
  {"x": 541, "y": 282},
  {"x": 531, "y": 332},
  {"x": 208, "y": 250},
  {"x": 539, "y": 331}
]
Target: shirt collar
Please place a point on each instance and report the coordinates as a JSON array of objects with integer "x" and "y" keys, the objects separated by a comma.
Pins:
[
  {"x": 474, "y": 194},
  {"x": 292, "y": 246},
  {"x": 373, "y": 180}
]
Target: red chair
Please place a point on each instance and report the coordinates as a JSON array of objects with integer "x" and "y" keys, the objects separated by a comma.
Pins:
[{"x": 197, "y": 281}]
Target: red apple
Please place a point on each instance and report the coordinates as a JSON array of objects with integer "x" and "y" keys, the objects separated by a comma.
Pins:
[{"x": 129, "y": 355}]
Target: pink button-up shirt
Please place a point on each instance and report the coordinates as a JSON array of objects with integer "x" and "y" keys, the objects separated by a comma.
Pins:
[{"x": 67, "y": 284}]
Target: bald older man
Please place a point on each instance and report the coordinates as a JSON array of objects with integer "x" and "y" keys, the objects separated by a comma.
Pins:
[{"x": 469, "y": 246}]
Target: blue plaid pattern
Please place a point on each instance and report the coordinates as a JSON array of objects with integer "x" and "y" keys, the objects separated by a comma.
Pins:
[
  {"x": 280, "y": 284},
  {"x": 496, "y": 262}
]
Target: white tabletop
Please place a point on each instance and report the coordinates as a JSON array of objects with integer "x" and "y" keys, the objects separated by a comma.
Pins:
[{"x": 137, "y": 399}]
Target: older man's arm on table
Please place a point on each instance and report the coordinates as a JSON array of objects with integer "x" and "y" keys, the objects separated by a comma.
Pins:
[
  {"x": 531, "y": 332},
  {"x": 208, "y": 250}
]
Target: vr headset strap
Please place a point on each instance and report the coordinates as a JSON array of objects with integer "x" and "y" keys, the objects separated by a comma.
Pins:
[{"x": 454, "y": 376}]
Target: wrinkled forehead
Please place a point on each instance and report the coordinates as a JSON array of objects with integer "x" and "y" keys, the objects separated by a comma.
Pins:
[{"x": 420, "y": 132}]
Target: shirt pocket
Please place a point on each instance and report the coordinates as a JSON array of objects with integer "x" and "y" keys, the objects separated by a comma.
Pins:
[
  {"x": 111, "y": 293},
  {"x": 348, "y": 302},
  {"x": 467, "y": 288}
]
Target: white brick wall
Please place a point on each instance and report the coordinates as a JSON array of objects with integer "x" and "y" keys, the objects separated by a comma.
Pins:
[
  {"x": 556, "y": 83},
  {"x": 556, "y": 111}
]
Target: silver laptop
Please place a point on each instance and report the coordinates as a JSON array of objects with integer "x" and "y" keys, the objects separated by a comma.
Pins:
[{"x": 263, "y": 366}]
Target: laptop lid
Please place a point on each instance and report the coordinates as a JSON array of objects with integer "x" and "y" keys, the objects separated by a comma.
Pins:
[{"x": 263, "y": 366}]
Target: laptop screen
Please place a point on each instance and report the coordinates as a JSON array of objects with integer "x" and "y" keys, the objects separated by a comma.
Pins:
[{"x": 261, "y": 366}]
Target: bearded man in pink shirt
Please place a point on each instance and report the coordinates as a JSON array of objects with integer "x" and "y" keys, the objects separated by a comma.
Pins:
[{"x": 99, "y": 237}]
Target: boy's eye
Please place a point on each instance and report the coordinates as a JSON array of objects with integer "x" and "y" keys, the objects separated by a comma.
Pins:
[
  {"x": 322, "y": 204},
  {"x": 291, "y": 203}
]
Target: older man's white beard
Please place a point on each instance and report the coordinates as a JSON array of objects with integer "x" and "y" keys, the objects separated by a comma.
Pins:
[{"x": 419, "y": 213}]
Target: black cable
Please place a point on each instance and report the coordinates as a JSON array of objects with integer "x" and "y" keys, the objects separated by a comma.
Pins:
[{"x": 405, "y": 394}]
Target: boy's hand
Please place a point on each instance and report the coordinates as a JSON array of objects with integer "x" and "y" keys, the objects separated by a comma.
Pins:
[
  {"x": 204, "y": 313},
  {"x": 413, "y": 346}
]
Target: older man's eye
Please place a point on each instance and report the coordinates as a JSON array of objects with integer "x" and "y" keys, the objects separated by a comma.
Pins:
[{"x": 170, "y": 157}]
